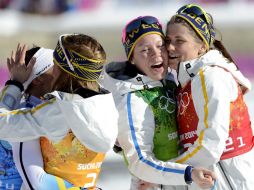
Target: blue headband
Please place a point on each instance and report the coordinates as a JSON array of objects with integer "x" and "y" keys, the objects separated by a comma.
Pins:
[
  {"x": 77, "y": 65},
  {"x": 197, "y": 18},
  {"x": 137, "y": 29}
]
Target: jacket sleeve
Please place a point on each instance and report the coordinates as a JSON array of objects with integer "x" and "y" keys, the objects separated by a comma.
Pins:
[
  {"x": 53, "y": 119},
  {"x": 212, "y": 91},
  {"x": 34, "y": 172},
  {"x": 93, "y": 121},
  {"x": 26, "y": 124},
  {"x": 10, "y": 97},
  {"x": 136, "y": 130}
]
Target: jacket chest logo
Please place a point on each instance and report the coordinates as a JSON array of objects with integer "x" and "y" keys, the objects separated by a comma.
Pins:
[
  {"x": 164, "y": 103},
  {"x": 183, "y": 100}
]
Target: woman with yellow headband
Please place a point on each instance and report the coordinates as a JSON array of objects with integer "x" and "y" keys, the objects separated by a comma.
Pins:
[
  {"x": 78, "y": 118},
  {"x": 214, "y": 124}
]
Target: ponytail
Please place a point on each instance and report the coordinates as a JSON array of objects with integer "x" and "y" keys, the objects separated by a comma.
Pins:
[{"x": 218, "y": 45}]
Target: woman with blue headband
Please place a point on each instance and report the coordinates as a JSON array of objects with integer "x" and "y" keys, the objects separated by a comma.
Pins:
[
  {"x": 214, "y": 124},
  {"x": 144, "y": 96},
  {"x": 76, "y": 122}
]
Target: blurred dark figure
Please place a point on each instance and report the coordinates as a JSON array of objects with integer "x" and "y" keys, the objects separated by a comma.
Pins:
[
  {"x": 84, "y": 5},
  {"x": 45, "y": 7},
  {"x": 4, "y": 3},
  {"x": 212, "y": 1}
]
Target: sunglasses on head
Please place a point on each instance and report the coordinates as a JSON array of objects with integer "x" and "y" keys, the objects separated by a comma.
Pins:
[
  {"x": 135, "y": 24},
  {"x": 196, "y": 10}
]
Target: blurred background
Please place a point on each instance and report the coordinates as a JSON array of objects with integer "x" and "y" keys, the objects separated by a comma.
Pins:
[{"x": 40, "y": 22}]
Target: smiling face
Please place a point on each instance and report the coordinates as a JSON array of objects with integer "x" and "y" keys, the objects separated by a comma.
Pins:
[
  {"x": 150, "y": 56},
  {"x": 182, "y": 44}
]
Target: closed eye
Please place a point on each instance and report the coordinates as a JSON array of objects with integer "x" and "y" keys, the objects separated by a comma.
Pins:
[
  {"x": 180, "y": 41},
  {"x": 161, "y": 45},
  {"x": 145, "y": 50}
]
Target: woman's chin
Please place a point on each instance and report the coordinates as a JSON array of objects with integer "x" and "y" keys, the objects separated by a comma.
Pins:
[{"x": 173, "y": 64}]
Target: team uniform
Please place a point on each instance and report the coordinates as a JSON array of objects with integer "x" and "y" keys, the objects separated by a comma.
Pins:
[
  {"x": 213, "y": 119},
  {"x": 73, "y": 112},
  {"x": 9, "y": 175},
  {"x": 82, "y": 119},
  {"x": 72, "y": 161},
  {"x": 67, "y": 159},
  {"x": 146, "y": 123}
]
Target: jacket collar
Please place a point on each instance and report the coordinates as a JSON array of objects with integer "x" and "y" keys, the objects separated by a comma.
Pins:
[
  {"x": 115, "y": 77},
  {"x": 189, "y": 69}
]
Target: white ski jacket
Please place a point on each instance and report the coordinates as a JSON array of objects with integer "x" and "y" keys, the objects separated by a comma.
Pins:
[
  {"x": 137, "y": 125},
  {"x": 86, "y": 117},
  {"x": 214, "y": 83}
]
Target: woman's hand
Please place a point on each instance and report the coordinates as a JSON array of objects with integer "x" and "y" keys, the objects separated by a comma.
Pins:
[
  {"x": 203, "y": 178},
  {"x": 16, "y": 64},
  {"x": 143, "y": 185}
]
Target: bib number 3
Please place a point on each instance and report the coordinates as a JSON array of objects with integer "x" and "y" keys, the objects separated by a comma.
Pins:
[{"x": 91, "y": 176}]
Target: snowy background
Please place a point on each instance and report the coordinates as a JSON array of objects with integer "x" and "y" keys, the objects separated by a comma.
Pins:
[{"x": 42, "y": 22}]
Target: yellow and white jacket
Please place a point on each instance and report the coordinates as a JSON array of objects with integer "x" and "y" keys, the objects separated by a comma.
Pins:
[
  {"x": 209, "y": 123},
  {"x": 137, "y": 123},
  {"x": 86, "y": 118}
]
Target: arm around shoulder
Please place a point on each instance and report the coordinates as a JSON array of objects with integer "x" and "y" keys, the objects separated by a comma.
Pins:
[{"x": 94, "y": 121}]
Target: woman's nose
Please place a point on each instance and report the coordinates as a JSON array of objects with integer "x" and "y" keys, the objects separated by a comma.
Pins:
[
  {"x": 156, "y": 52},
  {"x": 170, "y": 47}
]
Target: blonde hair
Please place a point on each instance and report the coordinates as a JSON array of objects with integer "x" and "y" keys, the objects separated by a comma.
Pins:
[{"x": 88, "y": 47}]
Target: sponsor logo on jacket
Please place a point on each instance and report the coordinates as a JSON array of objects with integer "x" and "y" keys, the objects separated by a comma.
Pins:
[
  {"x": 89, "y": 166},
  {"x": 188, "y": 135}
]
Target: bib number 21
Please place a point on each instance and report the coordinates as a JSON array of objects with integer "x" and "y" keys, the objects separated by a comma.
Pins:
[{"x": 230, "y": 144}]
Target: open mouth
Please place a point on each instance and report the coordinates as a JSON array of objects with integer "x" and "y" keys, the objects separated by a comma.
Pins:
[
  {"x": 172, "y": 57},
  {"x": 157, "y": 66}
]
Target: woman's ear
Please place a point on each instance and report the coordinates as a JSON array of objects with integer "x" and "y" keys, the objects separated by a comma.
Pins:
[
  {"x": 131, "y": 60},
  {"x": 202, "y": 49}
]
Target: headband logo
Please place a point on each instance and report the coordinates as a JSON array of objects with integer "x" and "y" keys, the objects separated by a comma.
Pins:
[
  {"x": 133, "y": 32},
  {"x": 199, "y": 21},
  {"x": 59, "y": 51},
  {"x": 143, "y": 26},
  {"x": 46, "y": 67}
]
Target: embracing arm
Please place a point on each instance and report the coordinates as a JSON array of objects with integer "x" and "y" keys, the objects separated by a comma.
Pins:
[
  {"x": 53, "y": 119},
  {"x": 24, "y": 124},
  {"x": 136, "y": 139},
  {"x": 27, "y": 124}
]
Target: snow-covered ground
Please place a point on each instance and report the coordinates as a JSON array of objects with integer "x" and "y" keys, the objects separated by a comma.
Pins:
[{"x": 114, "y": 174}]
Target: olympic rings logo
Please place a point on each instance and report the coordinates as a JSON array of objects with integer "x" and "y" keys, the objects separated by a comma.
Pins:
[
  {"x": 164, "y": 103},
  {"x": 183, "y": 100}
]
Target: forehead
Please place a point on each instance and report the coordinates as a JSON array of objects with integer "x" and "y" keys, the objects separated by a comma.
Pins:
[
  {"x": 178, "y": 29},
  {"x": 149, "y": 39}
]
